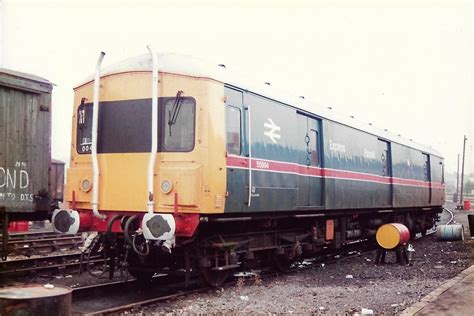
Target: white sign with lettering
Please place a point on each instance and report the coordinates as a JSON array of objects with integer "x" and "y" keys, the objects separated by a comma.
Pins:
[
  {"x": 337, "y": 147},
  {"x": 14, "y": 179}
]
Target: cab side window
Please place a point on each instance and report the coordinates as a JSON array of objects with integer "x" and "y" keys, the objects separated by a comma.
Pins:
[
  {"x": 84, "y": 129},
  {"x": 233, "y": 128}
]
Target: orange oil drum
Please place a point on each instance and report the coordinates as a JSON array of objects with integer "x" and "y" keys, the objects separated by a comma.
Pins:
[{"x": 390, "y": 236}]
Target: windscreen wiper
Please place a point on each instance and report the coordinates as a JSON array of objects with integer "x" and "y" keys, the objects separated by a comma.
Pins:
[{"x": 174, "y": 112}]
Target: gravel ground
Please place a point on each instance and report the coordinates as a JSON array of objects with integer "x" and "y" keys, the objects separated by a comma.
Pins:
[{"x": 329, "y": 289}]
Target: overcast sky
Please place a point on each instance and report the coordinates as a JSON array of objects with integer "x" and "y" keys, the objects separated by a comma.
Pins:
[{"x": 402, "y": 65}]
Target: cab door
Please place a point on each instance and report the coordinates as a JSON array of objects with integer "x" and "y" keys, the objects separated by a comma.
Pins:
[
  {"x": 427, "y": 176},
  {"x": 314, "y": 155},
  {"x": 384, "y": 194},
  {"x": 310, "y": 181},
  {"x": 237, "y": 163}
]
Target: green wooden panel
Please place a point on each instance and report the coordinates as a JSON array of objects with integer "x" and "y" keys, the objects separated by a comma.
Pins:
[{"x": 25, "y": 137}]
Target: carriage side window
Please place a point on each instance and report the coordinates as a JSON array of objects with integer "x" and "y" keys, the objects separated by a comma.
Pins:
[
  {"x": 442, "y": 171},
  {"x": 84, "y": 129},
  {"x": 313, "y": 150},
  {"x": 426, "y": 168},
  {"x": 232, "y": 121},
  {"x": 385, "y": 158}
]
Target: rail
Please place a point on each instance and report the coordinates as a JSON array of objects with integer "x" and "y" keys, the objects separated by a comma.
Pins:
[{"x": 451, "y": 214}]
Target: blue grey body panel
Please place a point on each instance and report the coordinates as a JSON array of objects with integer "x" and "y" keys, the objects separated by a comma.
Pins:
[{"x": 292, "y": 160}]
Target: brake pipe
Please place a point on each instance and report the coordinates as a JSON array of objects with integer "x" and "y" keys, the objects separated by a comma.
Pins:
[
  {"x": 154, "y": 132},
  {"x": 111, "y": 223},
  {"x": 126, "y": 229},
  {"x": 95, "y": 121}
]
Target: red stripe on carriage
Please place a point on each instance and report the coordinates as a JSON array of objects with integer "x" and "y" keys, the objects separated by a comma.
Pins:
[
  {"x": 349, "y": 175},
  {"x": 288, "y": 167},
  {"x": 437, "y": 185},
  {"x": 411, "y": 182},
  {"x": 237, "y": 162}
]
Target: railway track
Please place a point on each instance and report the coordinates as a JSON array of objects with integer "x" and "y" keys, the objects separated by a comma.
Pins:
[
  {"x": 64, "y": 262},
  {"x": 31, "y": 252},
  {"x": 116, "y": 296},
  {"x": 71, "y": 261},
  {"x": 38, "y": 243},
  {"x": 119, "y": 297},
  {"x": 451, "y": 214},
  {"x": 133, "y": 302}
]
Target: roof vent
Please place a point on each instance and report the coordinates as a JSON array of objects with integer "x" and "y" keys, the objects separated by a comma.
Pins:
[
  {"x": 302, "y": 97},
  {"x": 386, "y": 130},
  {"x": 267, "y": 83},
  {"x": 370, "y": 124},
  {"x": 221, "y": 65},
  {"x": 352, "y": 116},
  {"x": 329, "y": 107}
]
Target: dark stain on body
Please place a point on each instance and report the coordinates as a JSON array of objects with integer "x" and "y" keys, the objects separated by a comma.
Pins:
[
  {"x": 62, "y": 221},
  {"x": 158, "y": 226}
]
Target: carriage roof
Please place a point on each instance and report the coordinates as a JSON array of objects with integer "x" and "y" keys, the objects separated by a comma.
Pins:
[{"x": 191, "y": 66}]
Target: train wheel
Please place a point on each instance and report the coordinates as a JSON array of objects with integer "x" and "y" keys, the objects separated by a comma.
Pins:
[
  {"x": 282, "y": 263},
  {"x": 213, "y": 278},
  {"x": 141, "y": 275},
  {"x": 139, "y": 268}
]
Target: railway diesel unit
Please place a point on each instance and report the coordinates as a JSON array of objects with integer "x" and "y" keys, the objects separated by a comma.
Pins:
[{"x": 183, "y": 166}]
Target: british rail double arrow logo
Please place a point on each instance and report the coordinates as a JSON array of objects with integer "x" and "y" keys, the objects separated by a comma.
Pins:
[{"x": 273, "y": 131}]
